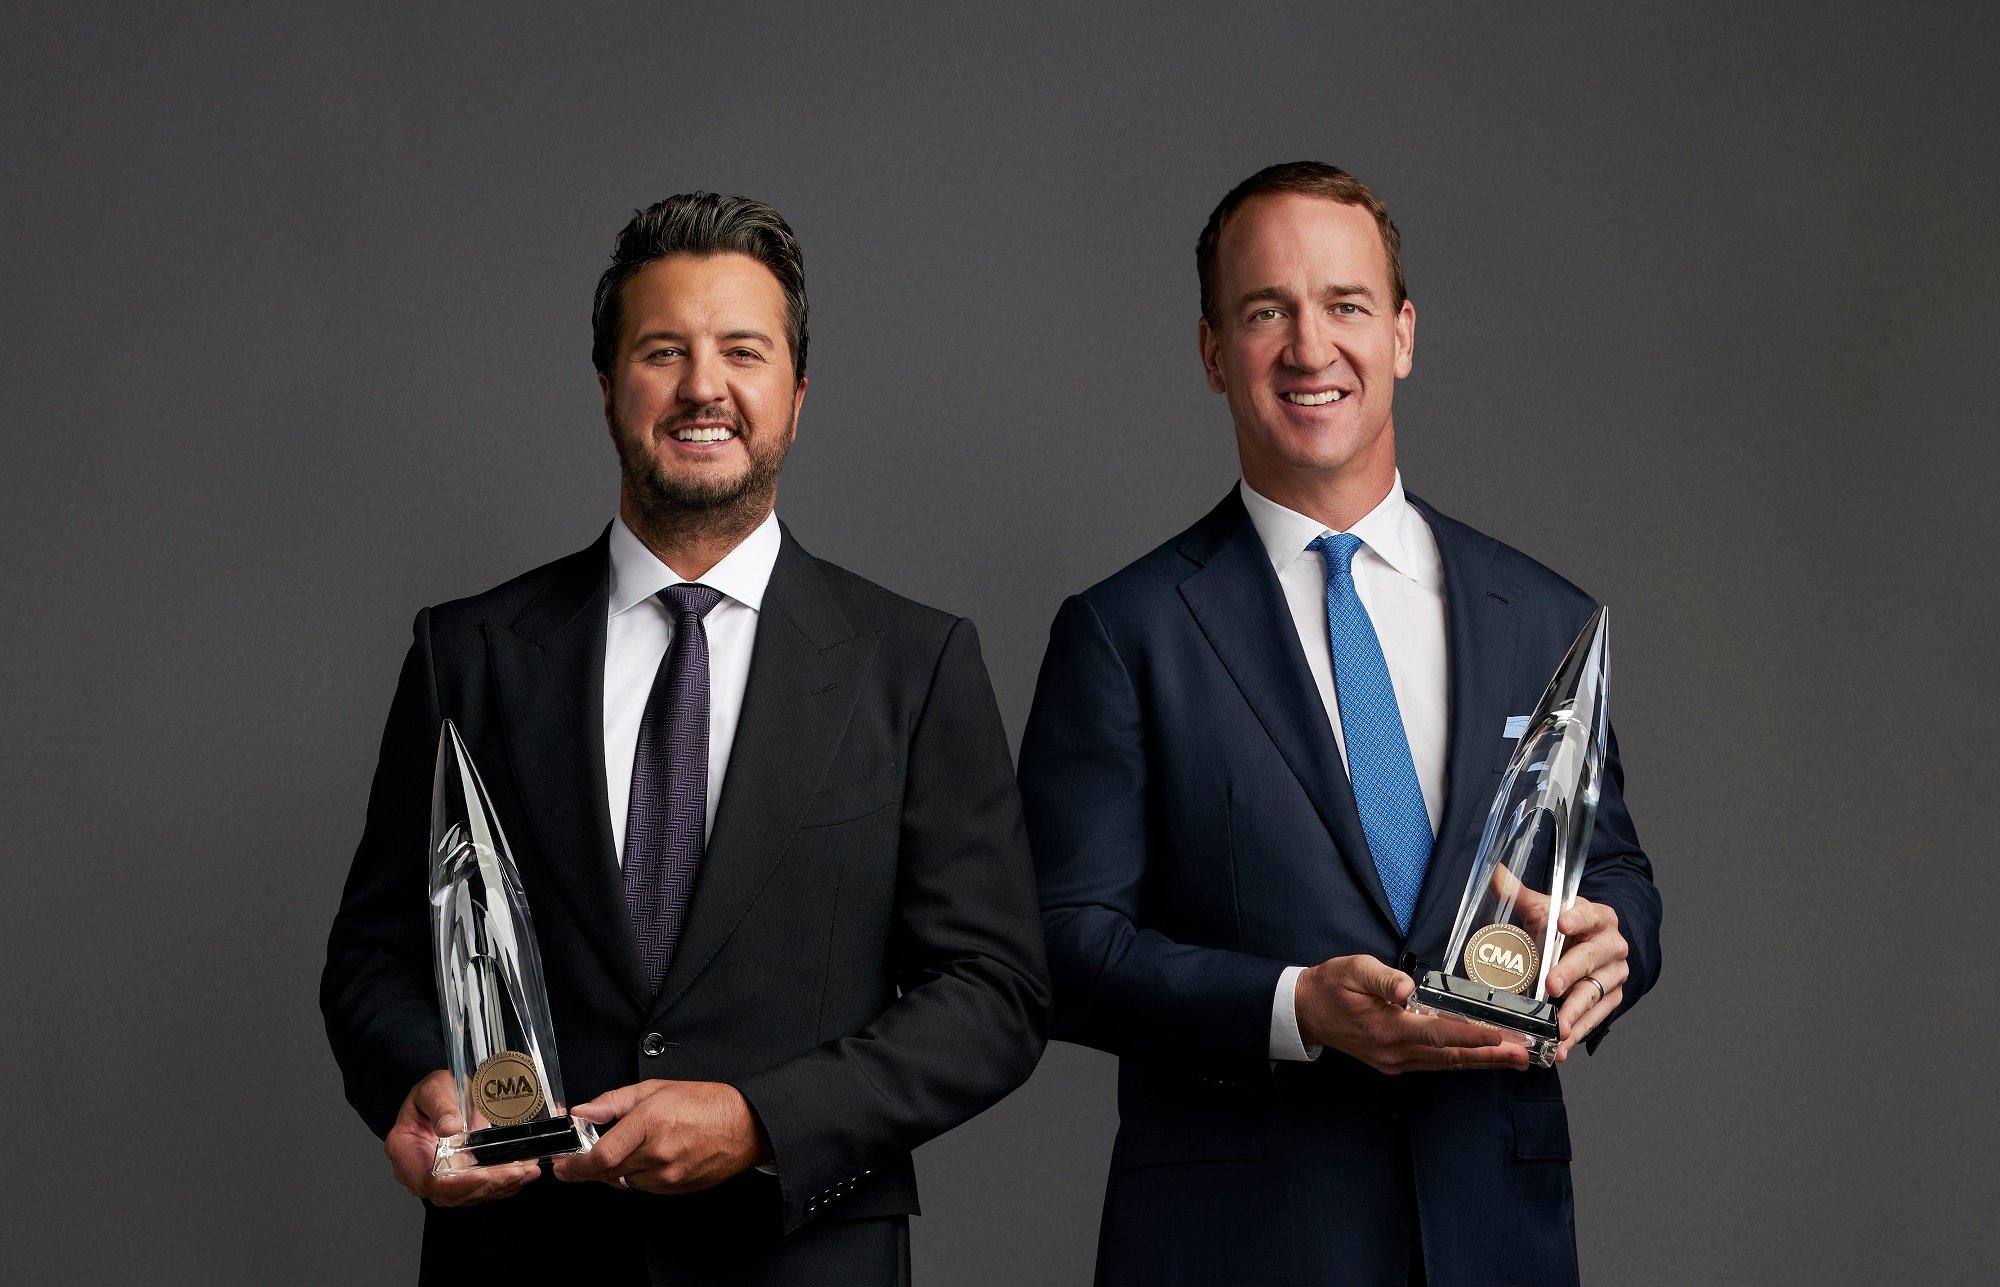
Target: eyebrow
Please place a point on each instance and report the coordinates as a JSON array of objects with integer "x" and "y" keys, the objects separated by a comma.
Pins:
[
  {"x": 1279, "y": 295},
  {"x": 650, "y": 337}
]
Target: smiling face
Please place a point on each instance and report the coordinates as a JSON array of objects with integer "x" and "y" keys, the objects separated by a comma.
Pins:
[
  {"x": 700, "y": 396},
  {"x": 1307, "y": 345}
]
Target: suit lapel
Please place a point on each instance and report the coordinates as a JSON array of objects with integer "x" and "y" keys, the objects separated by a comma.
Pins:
[
  {"x": 1236, "y": 600},
  {"x": 1482, "y": 627},
  {"x": 805, "y": 675},
  {"x": 548, "y": 665}
]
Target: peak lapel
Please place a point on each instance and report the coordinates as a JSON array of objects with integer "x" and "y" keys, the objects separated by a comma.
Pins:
[
  {"x": 805, "y": 675},
  {"x": 1482, "y": 633},
  {"x": 1236, "y": 600},
  {"x": 548, "y": 665}
]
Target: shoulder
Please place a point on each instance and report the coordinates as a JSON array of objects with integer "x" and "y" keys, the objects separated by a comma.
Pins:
[
  {"x": 558, "y": 588},
  {"x": 1537, "y": 585},
  {"x": 1152, "y": 581},
  {"x": 872, "y": 608}
]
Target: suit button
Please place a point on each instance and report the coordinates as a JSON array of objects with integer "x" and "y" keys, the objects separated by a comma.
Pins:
[{"x": 653, "y": 1046}]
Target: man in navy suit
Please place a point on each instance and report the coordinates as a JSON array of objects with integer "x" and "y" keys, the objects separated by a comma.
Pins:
[{"x": 1255, "y": 774}]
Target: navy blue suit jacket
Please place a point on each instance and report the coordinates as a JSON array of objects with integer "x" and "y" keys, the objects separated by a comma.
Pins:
[{"x": 1194, "y": 833}]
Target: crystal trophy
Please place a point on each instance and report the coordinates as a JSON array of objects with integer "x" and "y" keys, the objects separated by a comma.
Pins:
[
  {"x": 499, "y": 1038},
  {"x": 1530, "y": 861}
]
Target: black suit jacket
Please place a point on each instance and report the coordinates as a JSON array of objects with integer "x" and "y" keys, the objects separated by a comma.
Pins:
[
  {"x": 861, "y": 956},
  {"x": 1194, "y": 833}
]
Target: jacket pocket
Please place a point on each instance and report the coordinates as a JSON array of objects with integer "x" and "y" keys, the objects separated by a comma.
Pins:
[
  {"x": 857, "y": 797},
  {"x": 1541, "y": 1130}
]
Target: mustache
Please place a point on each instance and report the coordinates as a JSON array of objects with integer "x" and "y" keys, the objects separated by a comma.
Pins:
[{"x": 714, "y": 411}]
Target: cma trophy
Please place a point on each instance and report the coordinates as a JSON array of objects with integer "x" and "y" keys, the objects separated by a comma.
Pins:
[
  {"x": 1530, "y": 861},
  {"x": 499, "y": 1038}
]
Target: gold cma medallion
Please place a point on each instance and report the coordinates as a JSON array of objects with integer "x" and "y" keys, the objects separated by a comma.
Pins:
[
  {"x": 506, "y": 1089},
  {"x": 1502, "y": 957}
]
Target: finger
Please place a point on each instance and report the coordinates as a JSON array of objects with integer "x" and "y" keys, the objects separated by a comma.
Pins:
[
  {"x": 1532, "y": 906},
  {"x": 1600, "y": 954},
  {"x": 614, "y": 1104},
  {"x": 605, "y": 1157},
  {"x": 1582, "y": 998},
  {"x": 1440, "y": 1033},
  {"x": 1385, "y": 982},
  {"x": 1503, "y": 1054},
  {"x": 1507, "y": 1054},
  {"x": 1585, "y": 917},
  {"x": 1589, "y": 1022},
  {"x": 436, "y": 1102}
]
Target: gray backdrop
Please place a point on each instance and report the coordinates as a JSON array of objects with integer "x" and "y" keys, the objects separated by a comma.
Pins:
[{"x": 295, "y": 341}]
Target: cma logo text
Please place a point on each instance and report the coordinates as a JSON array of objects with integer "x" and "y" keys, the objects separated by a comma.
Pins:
[{"x": 504, "y": 1088}]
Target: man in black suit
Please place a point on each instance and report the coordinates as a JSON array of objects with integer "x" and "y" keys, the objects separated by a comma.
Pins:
[
  {"x": 1255, "y": 774},
  {"x": 764, "y": 816}
]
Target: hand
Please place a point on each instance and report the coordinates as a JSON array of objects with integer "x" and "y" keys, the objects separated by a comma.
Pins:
[
  {"x": 1590, "y": 972},
  {"x": 1355, "y": 1005},
  {"x": 671, "y": 1137},
  {"x": 430, "y": 1110}
]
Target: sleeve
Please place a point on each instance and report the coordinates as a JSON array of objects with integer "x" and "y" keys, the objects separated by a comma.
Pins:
[
  {"x": 1286, "y": 1043},
  {"x": 972, "y": 1018},
  {"x": 1120, "y": 987},
  {"x": 1618, "y": 874},
  {"x": 378, "y": 992}
]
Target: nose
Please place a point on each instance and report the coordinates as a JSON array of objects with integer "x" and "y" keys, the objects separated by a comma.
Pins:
[
  {"x": 702, "y": 378},
  {"x": 1312, "y": 347}
]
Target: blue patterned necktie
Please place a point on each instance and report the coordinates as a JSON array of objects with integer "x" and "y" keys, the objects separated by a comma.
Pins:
[
  {"x": 1386, "y": 793},
  {"x": 669, "y": 805}
]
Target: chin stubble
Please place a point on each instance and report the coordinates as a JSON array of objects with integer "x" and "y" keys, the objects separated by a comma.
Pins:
[{"x": 669, "y": 501}]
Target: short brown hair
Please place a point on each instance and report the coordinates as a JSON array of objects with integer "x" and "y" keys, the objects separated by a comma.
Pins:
[
  {"x": 702, "y": 224},
  {"x": 1307, "y": 178}
]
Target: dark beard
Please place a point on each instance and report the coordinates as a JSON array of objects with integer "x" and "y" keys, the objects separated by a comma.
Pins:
[{"x": 729, "y": 506}]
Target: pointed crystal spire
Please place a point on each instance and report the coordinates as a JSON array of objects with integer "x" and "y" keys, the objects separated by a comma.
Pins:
[
  {"x": 499, "y": 1038},
  {"x": 1531, "y": 856}
]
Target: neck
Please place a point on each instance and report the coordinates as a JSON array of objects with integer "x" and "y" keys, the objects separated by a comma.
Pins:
[
  {"x": 690, "y": 542},
  {"x": 1336, "y": 500}
]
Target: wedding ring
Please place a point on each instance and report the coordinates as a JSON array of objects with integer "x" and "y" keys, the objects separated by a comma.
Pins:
[{"x": 1594, "y": 983}]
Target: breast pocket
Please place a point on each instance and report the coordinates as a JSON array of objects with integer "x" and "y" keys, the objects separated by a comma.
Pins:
[{"x": 851, "y": 798}]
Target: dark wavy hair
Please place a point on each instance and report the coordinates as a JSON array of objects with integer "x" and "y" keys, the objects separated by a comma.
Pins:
[{"x": 700, "y": 223}]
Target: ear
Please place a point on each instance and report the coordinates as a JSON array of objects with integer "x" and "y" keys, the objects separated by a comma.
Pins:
[
  {"x": 1406, "y": 338},
  {"x": 798, "y": 401},
  {"x": 604, "y": 387},
  {"x": 1211, "y": 355}
]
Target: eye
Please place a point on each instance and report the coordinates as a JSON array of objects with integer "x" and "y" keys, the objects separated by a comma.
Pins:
[
  {"x": 1265, "y": 315},
  {"x": 661, "y": 355},
  {"x": 1349, "y": 308},
  {"x": 750, "y": 355}
]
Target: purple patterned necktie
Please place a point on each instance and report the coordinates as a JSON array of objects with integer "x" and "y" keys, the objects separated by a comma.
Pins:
[{"x": 669, "y": 805}]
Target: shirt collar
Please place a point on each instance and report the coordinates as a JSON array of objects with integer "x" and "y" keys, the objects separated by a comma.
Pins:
[
  {"x": 1392, "y": 530},
  {"x": 743, "y": 574}
]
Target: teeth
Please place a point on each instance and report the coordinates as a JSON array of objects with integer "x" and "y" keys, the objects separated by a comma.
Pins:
[
  {"x": 702, "y": 435},
  {"x": 1315, "y": 399}
]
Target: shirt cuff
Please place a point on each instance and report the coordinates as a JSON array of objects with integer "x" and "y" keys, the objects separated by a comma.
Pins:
[
  {"x": 1285, "y": 1040},
  {"x": 768, "y": 1168}
]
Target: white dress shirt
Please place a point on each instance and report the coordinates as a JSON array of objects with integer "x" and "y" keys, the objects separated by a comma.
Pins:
[
  {"x": 639, "y": 630},
  {"x": 1400, "y": 580}
]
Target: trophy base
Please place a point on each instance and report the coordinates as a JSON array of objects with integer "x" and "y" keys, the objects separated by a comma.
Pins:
[
  {"x": 528, "y": 1142},
  {"x": 1521, "y": 1020}
]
